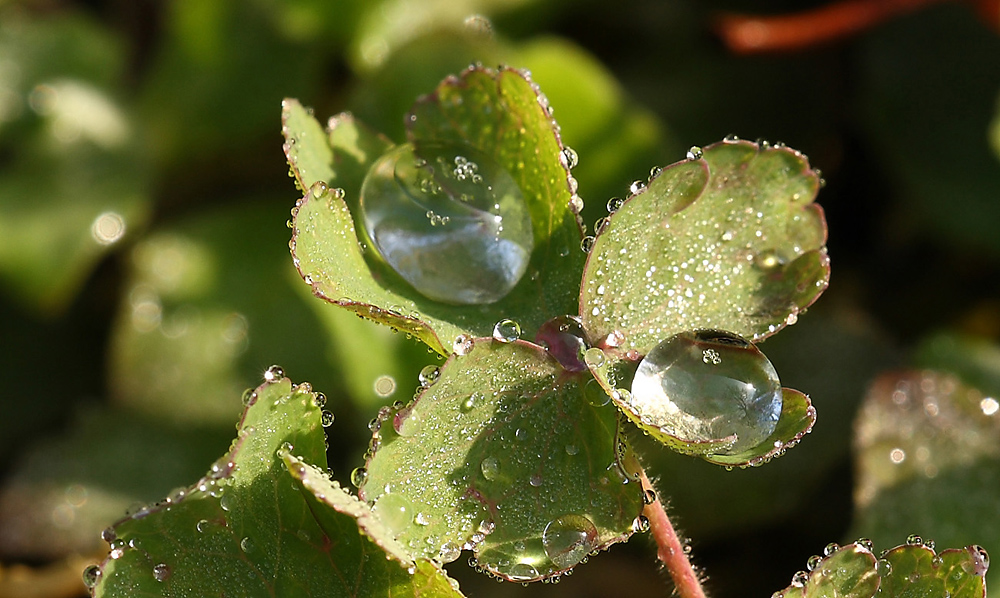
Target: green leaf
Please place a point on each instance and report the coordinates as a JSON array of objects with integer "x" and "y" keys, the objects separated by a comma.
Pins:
[
  {"x": 365, "y": 550},
  {"x": 246, "y": 528},
  {"x": 730, "y": 241},
  {"x": 502, "y": 115},
  {"x": 306, "y": 148},
  {"x": 67, "y": 486},
  {"x": 926, "y": 449},
  {"x": 913, "y": 569},
  {"x": 500, "y": 448},
  {"x": 196, "y": 326}
]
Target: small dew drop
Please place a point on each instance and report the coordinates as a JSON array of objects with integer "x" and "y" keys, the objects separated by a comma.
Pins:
[
  {"x": 594, "y": 357},
  {"x": 636, "y": 187},
  {"x": 274, "y": 374},
  {"x": 246, "y": 545},
  {"x": 449, "y": 553},
  {"x": 567, "y": 540},
  {"x": 640, "y": 524},
  {"x": 535, "y": 480},
  {"x": 587, "y": 243},
  {"x": 318, "y": 190},
  {"x": 883, "y": 567},
  {"x": 358, "y": 476},
  {"x": 327, "y": 418},
  {"x": 568, "y": 157},
  {"x": 91, "y": 575},
  {"x": 429, "y": 375},
  {"x": 831, "y": 548},
  {"x": 649, "y": 497},
  {"x": 914, "y": 540},
  {"x": 463, "y": 344},
  {"x": 161, "y": 572},
  {"x": 490, "y": 468},
  {"x": 615, "y": 204},
  {"x": 695, "y": 153},
  {"x": 506, "y": 331}
]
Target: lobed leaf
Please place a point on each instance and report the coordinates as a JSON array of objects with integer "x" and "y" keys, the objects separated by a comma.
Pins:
[
  {"x": 504, "y": 455},
  {"x": 246, "y": 528},
  {"x": 730, "y": 241},
  {"x": 913, "y": 569},
  {"x": 502, "y": 115}
]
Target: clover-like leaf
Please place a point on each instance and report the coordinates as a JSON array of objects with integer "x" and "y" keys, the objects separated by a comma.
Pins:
[
  {"x": 730, "y": 240},
  {"x": 912, "y": 569},
  {"x": 245, "y": 528},
  {"x": 500, "y": 115},
  {"x": 503, "y": 454}
]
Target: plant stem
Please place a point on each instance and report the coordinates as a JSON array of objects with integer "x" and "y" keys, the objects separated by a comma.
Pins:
[{"x": 669, "y": 548}]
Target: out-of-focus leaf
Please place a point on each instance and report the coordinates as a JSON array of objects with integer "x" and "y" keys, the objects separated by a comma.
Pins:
[
  {"x": 503, "y": 455},
  {"x": 944, "y": 169},
  {"x": 225, "y": 64},
  {"x": 501, "y": 115},
  {"x": 198, "y": 317},
  {"x": 913, "y": 569},
  {"x": 73, "y": 183},
  {"x": 616, "y": 140},
  {"x": 64, "y": 490},
  {"x": 390, "y": 24},
  {"x": 927, "y": 449}
]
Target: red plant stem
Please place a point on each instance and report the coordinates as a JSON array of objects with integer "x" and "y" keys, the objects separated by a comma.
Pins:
[
  {"x": 746, "y": 34},
  {"x": 669, "y": 548}
]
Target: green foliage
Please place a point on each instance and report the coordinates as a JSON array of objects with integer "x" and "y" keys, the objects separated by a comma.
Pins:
[
  {"x": 144, "y": 281},
  {"x": 498, "y": 448}
]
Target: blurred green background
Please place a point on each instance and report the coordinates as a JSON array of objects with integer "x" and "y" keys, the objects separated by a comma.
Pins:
[{"x": 145, "y": 279}]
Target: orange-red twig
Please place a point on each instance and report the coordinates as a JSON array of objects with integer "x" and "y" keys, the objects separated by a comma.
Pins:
[{"x": 747, "y": 34}]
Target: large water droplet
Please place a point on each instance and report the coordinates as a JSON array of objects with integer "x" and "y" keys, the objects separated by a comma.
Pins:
[
  {"x": 563, "y": 337},
  {"x": 568, "y": 539},
  {"x": 453, "y": 223},
  {"x": 709, "y": 385}
]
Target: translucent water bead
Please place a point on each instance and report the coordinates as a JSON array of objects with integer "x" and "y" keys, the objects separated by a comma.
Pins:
[
  {"x": 708, "y": 385},
  {"x": 449, "y": 220}
]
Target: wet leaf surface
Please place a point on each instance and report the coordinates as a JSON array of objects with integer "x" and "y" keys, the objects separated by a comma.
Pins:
[
  {"x": 246, "y": 527},
  {"x": 730, "y": 241},
  {"x": 912, "y": 569},
  {"x": 498, "y": 114},
  {"x": 503, "y": 454}
]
